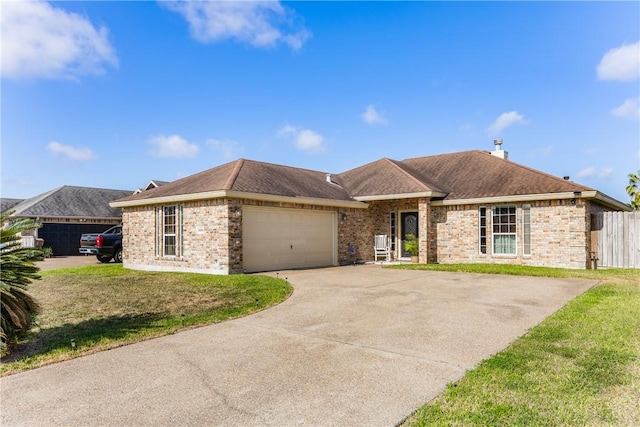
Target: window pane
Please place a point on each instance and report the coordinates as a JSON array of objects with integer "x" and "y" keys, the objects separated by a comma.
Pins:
[
  {"x": 504, "y": 229},
  {"x": 392, "y": 230},
  {"x": 482, "y": 211},
  {"x": 526, "y": 230},
  {"x": 504, "y": 244},
  {"x": 169, "y": 230},
  {"x": 170, "y": 245}
]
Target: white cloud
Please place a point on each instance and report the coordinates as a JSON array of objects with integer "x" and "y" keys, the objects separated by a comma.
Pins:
[
  {"x": 591, "y": 172},
  {"x": 42, "y": 41},
  {"x": 173, "y": 146},
  {"x": 505, "y": 120},
  {"x": 586, "y": 173},
  {"x": 72, "y": 153},
  {"x": 309, "y": 140},
  {"x": 258, "y": 23},
  {"x": 621, "y": 63},
  {"x": 629, "y": 109},
  {"x": 304, "y": 139},
  {"x": 287, "y": 130},
  {"x": 228, "y": 149},
  {"x": 372, "y": 116},
  {"x": 605, "y": 173}
]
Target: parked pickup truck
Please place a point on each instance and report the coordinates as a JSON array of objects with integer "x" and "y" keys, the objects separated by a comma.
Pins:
[{"x": 104, "y": 246}]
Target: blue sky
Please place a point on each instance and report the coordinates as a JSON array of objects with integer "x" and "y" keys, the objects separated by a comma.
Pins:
[{"x": 114, "y": 94}]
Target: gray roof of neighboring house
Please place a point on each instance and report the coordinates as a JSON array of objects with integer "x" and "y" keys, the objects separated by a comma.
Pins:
[
  {"x": 449, "y": 177},
  {"x": 6, "y": 203},
  {"x": 72, "y": 202}
]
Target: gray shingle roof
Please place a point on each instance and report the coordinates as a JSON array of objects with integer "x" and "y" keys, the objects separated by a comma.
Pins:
[
  {"x": 72, "y": 202},
  {"x": 6, "y": 203}
]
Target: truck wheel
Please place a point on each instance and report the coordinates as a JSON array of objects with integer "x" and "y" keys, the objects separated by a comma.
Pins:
[
  {"x": 103, "y": 258},
  {"x": 117, "y": 257}
]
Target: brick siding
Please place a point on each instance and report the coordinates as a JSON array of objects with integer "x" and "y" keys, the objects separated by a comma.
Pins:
[
  {"x": 212, "y": 233},
  {"x": 559, "y": 235}
]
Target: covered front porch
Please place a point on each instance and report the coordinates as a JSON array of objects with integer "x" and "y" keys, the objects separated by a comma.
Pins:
[{"x": 394, "y": 218}]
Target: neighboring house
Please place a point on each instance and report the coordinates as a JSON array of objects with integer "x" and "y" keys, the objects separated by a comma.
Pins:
[
  {"x": 154, "y": 183},
  {"x": 67, "y": 212},
  {"x": 473, "y": 206},
  {"x": 6, "y": 204}
]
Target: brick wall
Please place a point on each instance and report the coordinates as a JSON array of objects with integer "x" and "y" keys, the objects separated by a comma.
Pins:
[
  {"x": 212, "y": 234},
  {"x": 206, "y": 239},
  {"x": 559, "y": 235}
]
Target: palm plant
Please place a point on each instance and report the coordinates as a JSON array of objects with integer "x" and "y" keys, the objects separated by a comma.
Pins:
[
  {"x": 412, "y": 245},
  {"x": 17, "y": 270},
  {"x": 633, "y": 190}
]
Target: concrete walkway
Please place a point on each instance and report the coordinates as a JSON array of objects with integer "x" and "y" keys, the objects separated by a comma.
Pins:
[{"x": 353, "y": 346}]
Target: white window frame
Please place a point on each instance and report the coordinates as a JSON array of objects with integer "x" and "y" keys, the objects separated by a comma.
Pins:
[
  {"x": 501, "y": 226},
  {"x": 526, "y": 230},
  {"x": 482, "y": 228},
  {"x": 166, "y": 230}
]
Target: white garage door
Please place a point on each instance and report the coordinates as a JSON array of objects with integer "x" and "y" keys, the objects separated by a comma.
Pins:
[{"x": 278, "y": 239}]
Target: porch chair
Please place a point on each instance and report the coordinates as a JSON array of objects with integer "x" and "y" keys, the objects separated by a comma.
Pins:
[{"x": 382, "y": 247}]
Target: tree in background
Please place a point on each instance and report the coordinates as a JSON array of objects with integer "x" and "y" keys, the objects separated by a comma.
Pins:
[
  {"x": 633, "y": 190},
  {"x": 17, "y": 270}
]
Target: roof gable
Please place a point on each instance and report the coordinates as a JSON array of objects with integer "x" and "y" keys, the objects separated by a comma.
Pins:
[{"x": 384, "y": 177}]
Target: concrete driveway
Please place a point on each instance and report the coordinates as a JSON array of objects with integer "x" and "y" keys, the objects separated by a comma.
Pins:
[{"x": 352, "y": 346}]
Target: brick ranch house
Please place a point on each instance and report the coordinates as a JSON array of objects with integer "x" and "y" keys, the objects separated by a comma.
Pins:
[{"x": 473, "y": 206}]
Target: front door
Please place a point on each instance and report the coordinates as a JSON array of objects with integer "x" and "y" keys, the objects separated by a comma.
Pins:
[{"x": 409, "y": 225}]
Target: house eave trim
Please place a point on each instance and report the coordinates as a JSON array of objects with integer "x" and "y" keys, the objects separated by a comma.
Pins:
[
  {"x": 240, "y": 195},
  {"x": 602, "y": 198},
  {"x": 607, "y": 201},
  {"x": 297, "y": 200},
  {"x": 427, "y": 194},
  {"x": 169, "y": 199}
]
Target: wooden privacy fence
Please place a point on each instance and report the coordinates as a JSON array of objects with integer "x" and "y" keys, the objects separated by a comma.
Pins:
[{"x": 615, "y": 239}]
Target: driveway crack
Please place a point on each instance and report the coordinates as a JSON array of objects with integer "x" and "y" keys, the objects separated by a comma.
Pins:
[
  {"x": 205, "y": 379},
  {"x": 355, "y": 345}
]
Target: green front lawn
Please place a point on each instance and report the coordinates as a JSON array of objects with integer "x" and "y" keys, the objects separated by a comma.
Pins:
[
  {"x": 105, "y": 306},
  {"x": 581, "y": 366}
]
